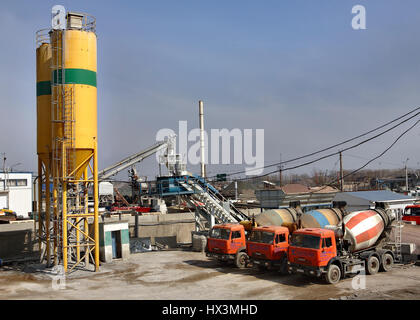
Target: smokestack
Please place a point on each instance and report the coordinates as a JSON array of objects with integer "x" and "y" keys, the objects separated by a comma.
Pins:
[{"x": 201, "y": 112}]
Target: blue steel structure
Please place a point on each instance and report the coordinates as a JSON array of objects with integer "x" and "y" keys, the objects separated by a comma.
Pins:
[
  {"x": 170, "y": 186},
  {"x": 207, "y": 200}
]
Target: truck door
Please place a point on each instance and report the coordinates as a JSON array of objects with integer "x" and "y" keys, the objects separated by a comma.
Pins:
[
  {"x": 327, "y": 251},
  {"x": 280, "y": 245},
  {"x": 236, "y": 241}
]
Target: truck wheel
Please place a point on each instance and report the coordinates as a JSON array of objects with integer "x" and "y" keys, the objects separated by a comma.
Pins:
[
  {"x": 284, "y": 267},
  {"x": 372, "y": 266},
  {"x": 387, "y": 262},
  {"x": 241, "y": 259},
  {"x": 333, "y": 274}
]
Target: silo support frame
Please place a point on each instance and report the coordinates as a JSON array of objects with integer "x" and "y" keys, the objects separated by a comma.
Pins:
[
  {"x": 47, "y": 212},
  {"x": 79, "y": 245},
  {"x": 40, "y": 207},
  {"x": 96, "y": 203},
  {"x": 44, "y": 217}
]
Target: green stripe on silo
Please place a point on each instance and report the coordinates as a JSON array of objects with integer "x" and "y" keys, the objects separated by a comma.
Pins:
[
  {"x": 76, "y": 76},
  {"x": 43, "y": 88}
]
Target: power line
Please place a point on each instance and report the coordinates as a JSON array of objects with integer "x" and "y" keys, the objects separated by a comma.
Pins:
[
  {"x": 370, "y": 161},
  {"x": 387, "y": 149},
  {"x": 336, "y": 145}
]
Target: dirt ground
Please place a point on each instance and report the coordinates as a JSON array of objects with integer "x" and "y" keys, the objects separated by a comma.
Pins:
[
  {"x": 187, "y": 275},
  {"x": 190, "y": 275}
]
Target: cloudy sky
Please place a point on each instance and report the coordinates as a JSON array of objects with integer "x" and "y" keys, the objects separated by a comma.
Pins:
[{"x": 296, "y": 69}]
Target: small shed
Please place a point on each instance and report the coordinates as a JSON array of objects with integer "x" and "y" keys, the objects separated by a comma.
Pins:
[
  {"x": 114, "y": 240},
  {"x": 362, "y": 200}
]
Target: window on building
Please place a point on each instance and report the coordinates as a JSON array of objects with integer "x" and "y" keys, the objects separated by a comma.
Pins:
[{"x": 17, "y": 182}]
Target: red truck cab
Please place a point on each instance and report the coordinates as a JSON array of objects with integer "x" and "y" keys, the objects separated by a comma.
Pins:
[
  {"x": 267, "y": 247},
  {"x": 227, "y": 242},
  {"x": 412, "y": 213},
  {"x": 311, "y": 251}
]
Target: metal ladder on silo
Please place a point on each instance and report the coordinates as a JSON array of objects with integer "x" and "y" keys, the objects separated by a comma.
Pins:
[
  {"x": 56, "y": 145},
  {"x": 58, "y": 101},
  {"x": 69, "y": 130}
]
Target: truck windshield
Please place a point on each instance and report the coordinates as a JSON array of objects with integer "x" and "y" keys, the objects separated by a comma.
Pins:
[
  {"x": 412, "y": 212},
  {"x": 262, "y": 237},
  {"x": 219, "y": 233},
  {"x": 305, "y": 241}
]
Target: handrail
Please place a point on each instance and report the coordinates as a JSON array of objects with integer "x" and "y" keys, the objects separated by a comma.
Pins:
[
  {"x": 42, "y": 36},
  {"x": 219, "y": 195}
]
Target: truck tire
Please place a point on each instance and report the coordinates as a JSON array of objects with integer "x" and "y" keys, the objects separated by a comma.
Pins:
[
  {"x": 241, "y": 259},
  {"x": 372, "y": 265},
  {"x": 333, "y": 274},
  {"x": 284, "y": 267},
  {"x": 387, "y": 262}
]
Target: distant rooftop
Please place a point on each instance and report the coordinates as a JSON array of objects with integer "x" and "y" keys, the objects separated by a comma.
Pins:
[
  {"x": 379, "y": 195},
  {"x": 294, "y": 188}
]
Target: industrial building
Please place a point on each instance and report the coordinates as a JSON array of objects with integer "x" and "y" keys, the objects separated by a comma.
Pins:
[
  {"x": 277, "y": 197},
  {"x": 16, "y": 192}
]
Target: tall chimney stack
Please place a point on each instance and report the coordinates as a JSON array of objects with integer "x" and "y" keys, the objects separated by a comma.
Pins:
[{"x": 201, "y": 112}]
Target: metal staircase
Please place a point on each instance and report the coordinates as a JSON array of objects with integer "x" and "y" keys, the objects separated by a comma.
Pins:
[{"x": 211, "y": 203}]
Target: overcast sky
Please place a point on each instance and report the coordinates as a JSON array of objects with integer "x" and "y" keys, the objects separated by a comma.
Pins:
[{"x": 296, "y": 69}]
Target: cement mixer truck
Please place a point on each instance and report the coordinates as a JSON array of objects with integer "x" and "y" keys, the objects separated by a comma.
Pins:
[
  {"x": 361, "y": 243},
  {"x": 228, "y": 242},
  {"x": 264, "y": 241},
  {"x": 268, "y": 243}
]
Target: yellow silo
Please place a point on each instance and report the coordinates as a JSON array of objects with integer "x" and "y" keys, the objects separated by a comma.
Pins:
[
  {"x": 43, "y": 100},
  {"x": 43, "y": 106},
  {"x": 74, "y": 72},
  {"x": 73, "y": 111}
]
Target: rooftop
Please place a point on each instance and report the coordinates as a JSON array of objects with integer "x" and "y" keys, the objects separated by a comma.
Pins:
[{"x": 379, "y": 195}]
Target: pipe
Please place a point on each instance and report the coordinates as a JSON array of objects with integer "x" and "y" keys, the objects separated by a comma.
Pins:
[{"x": 201, "y": 119}]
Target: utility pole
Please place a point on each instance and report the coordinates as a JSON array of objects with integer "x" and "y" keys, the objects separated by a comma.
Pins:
[
  {"x": 406, "y": 175},
  {"x": 4, "y": 162},
  {"x": 280, "y": 173},
  {"x": 341, "y": 173},
  {"x": 201, "y": 120}
]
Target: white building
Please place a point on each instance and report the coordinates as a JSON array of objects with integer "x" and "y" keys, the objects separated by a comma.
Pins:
[
  {"x": 362, "y": 200},
  {"x": 16, "y": 192}
]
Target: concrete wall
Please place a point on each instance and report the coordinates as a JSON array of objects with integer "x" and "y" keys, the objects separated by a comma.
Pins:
[
  {"x": 171, "y": 226},
  {"x": 18, "y": 241}
]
